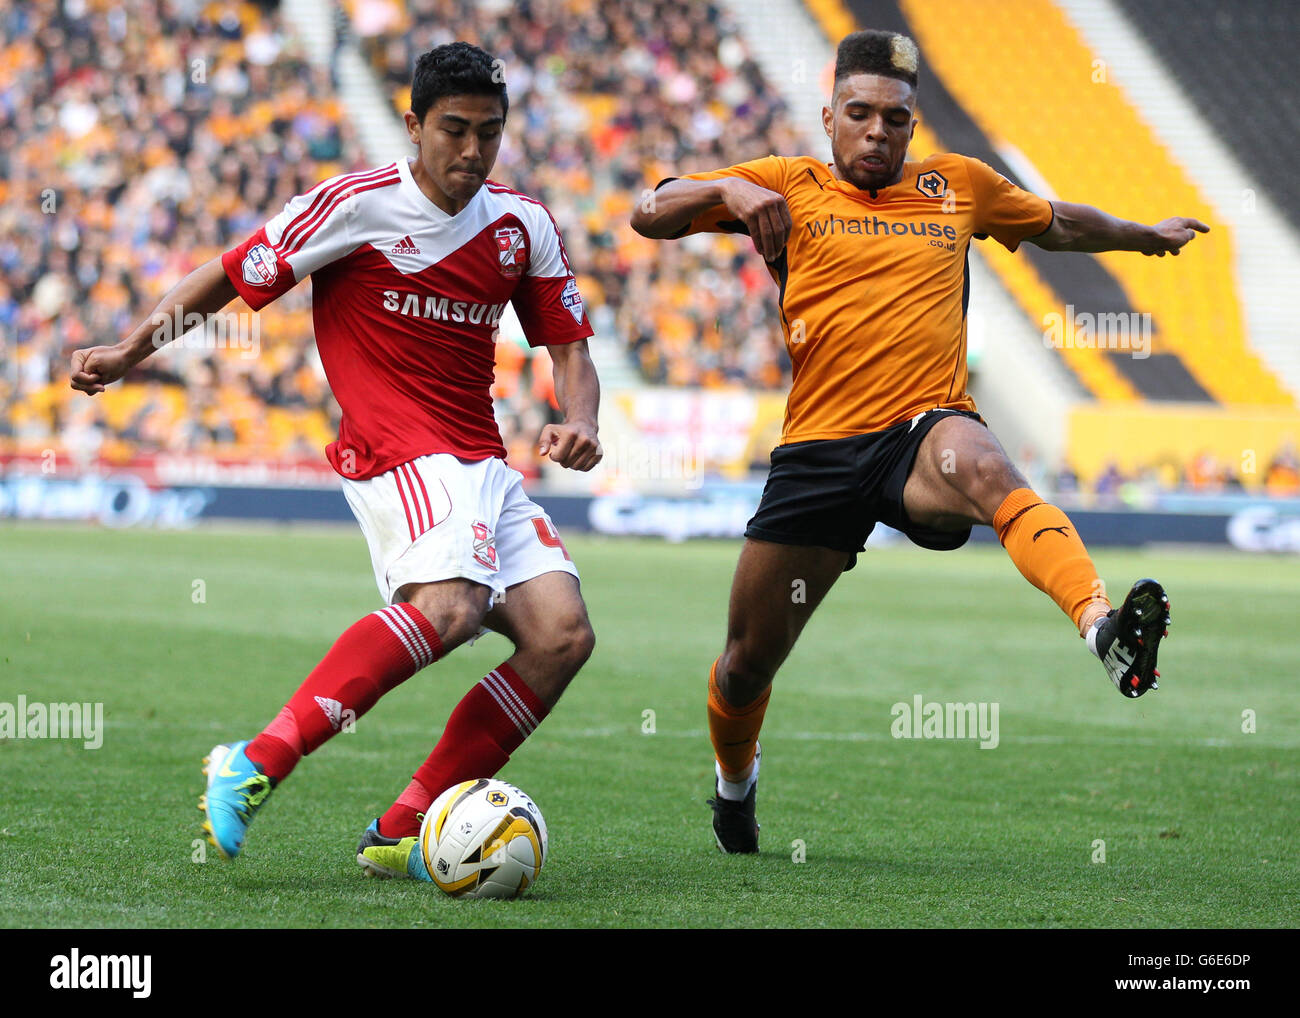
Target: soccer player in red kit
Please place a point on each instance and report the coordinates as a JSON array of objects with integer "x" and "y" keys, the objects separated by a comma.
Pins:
[{"x": 413, "y": 264}]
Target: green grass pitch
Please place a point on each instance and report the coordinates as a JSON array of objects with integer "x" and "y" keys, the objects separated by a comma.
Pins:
[{"x": 1198, "y": 817}]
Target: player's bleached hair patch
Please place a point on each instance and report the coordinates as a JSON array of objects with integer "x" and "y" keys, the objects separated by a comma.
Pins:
[
  {"x": 905, "y": 55},
  {"x": 873, "y": 51}
]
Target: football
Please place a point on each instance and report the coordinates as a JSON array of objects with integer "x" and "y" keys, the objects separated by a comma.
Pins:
[{"x": 483, "y": 839}]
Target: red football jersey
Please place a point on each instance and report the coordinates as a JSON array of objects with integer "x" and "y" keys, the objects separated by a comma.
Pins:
[{"x": 405, "y": 304}]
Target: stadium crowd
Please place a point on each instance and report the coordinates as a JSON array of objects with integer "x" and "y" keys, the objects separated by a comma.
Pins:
[
  {"x": 606, "y": 100},
  {"x": 140, "y": 138},
  {"x": 1203, "y": 474}
]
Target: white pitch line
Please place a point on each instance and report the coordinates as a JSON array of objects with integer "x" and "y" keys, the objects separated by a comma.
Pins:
[
  {"x": 633, "y": 732},
  {"x": 1123, "y": 740}
]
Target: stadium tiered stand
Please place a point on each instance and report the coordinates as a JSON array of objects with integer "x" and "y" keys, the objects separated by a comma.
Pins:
[
  {"x": 1237, "y": 61},
  {"x": 1083, "y": 136},
  {"x": 1078, "y": 132},
  {"x": 1202, "y": 412},
  {"x": 140, "y": 138}
]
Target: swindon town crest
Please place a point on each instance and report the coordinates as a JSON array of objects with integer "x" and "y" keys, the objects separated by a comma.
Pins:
[
  {"x": 485, "y": 545},
  {"x": 511, "y": 250}
]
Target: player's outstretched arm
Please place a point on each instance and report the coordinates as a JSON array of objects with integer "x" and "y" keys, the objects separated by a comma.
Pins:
[
  {"x": 573, "y": 444},
  {"x": 204, "y": 291},
  {"x": 1084, "y": 228},
  {"x": 670, "y": 210}
]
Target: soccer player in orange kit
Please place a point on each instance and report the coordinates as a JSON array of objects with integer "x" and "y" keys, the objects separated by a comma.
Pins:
[{"x": 869, "y": 253}]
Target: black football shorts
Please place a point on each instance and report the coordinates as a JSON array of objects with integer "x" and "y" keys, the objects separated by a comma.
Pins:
[{"x": 831, "y": 493}]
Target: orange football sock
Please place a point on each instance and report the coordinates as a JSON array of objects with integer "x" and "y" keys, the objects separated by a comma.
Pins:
[
  {"x": 1045, "y": 547},
  {"x": 734, "y": 730}
]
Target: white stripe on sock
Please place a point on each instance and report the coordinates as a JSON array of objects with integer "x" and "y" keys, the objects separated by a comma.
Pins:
[
  {"x": 413, "y": 631},
  {"x": 399, "y": 634},
  {"x": 509, "y": 691},
  {"x": 506, "y": 709}
]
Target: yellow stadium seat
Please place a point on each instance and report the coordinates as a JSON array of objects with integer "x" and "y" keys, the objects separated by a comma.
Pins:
[{"x": 1091, "y": 144}]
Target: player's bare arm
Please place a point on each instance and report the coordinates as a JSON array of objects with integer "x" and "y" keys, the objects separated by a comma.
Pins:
[
  {"x": 671, "y": 209},
  {"x": 573, "y": 443},
  {"x": 1084, "y": 228},
  {"x": 204, "y": 291}
]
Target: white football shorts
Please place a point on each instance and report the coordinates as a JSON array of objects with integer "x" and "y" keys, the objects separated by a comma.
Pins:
[{"x": 442, "y": 518}]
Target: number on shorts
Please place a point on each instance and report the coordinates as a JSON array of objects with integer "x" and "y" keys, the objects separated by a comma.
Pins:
[{"x": 547, "y": 534}]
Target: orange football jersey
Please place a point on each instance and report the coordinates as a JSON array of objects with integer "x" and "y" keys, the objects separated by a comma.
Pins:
[{"x": 874, "y": 285}]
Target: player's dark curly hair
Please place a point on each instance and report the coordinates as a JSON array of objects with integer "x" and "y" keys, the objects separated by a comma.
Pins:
[
  {"x": 876, "y": 52},
  {"x": 457, "y": 68}
]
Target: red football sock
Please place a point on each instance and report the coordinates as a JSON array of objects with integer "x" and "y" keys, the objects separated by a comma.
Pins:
[
  {"x": 403, "y": 816},
  {"x": 372, "y": 656},
  {"x": 489, "y": 724}
]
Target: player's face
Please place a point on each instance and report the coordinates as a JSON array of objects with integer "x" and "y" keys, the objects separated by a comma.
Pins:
[
  {"x": 458, "y": 143},
  {"x": 870, "y": 123}
]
